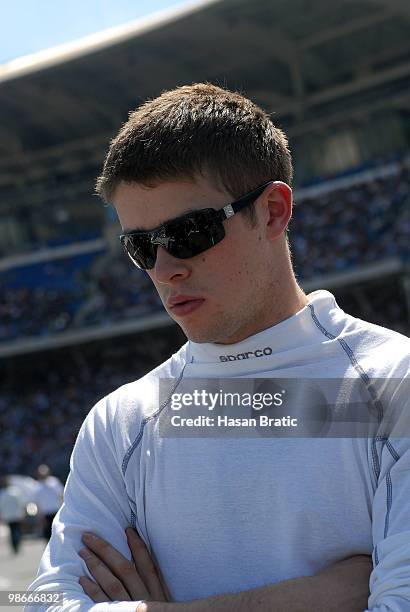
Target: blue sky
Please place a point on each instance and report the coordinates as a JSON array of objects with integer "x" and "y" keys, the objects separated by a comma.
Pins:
[{"x": 27, "y": 26}]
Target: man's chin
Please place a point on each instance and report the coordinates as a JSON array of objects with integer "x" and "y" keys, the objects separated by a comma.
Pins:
[
  {"x": 202, "y": 336},
  {"x": 198, "y": 338},
  {"x": 195, "y": 332},
  {"x": 196, "y": 335}
]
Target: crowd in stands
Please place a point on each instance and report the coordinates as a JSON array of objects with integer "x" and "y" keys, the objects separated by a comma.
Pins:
[
  {"x": 352, "y": 227},
  {"x": 329, "y": 233},
  {"x": 39, "y": 311},
  {"x": 102, "y": 293},
  {"x": 382, "y": 302},
  {"x": 46, "y": 396}
]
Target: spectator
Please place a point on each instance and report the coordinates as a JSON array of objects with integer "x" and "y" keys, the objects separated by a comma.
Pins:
[
  {"x": 12, "y": 511},
  {"x": 49, "y": 497}
]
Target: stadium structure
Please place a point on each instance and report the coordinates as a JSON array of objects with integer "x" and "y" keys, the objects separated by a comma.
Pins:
[{"x": 76, "y": 318}]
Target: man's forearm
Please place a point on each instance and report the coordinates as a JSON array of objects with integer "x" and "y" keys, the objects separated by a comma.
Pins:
[
  {"x": 291, "y": 595},
  {"x": 342, "y": 587}
]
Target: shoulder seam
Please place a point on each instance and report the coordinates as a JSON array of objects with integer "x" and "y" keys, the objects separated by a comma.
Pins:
[{"x": 138, "y": 439}]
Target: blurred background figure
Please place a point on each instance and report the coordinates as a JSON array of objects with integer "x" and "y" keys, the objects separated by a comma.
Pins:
[
  {"x": 49, "y": 497},
  {"x": 12, "y": 511}
]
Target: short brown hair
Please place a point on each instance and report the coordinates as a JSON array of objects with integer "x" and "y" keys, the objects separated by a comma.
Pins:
[{"x": 199, "y": 128}]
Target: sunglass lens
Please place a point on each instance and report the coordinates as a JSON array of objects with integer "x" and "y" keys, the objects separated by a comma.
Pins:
[
  {"x": 141, "y": 251},
  {"x": 195, "y": 235}
]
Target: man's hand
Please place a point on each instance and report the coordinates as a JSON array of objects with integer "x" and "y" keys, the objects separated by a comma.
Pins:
[
  {"x": 117, "y": 578},
  {"x": 342, "y": 586}
]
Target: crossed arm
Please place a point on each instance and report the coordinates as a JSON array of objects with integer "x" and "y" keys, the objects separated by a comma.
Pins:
[
  {"x": 343, "y": 586},
  {"x": 96, "y": 499}
]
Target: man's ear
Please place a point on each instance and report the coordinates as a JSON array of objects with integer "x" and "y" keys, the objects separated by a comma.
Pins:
[{"x": 278, "y": 203}]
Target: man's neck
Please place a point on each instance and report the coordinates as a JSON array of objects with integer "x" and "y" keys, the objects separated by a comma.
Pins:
[{"x": 293, "y": 299}]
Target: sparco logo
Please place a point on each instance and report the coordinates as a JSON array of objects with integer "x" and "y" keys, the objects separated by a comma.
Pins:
[{"x": 258, "y": 353}]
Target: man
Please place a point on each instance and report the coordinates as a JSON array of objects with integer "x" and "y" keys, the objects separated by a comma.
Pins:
[
  {"x": 12, "y": 511},
  {"x": 49, "y": 497},
  {"x": 254, "y": 522}
]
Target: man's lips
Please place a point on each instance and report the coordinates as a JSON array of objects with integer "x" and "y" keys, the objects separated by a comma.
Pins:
[
  {"x": 181, "y": 299},
  {"x": 184, "y": 305}
]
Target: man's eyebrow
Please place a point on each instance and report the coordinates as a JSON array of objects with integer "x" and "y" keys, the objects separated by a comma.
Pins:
[{"x": 143, "y": 229}]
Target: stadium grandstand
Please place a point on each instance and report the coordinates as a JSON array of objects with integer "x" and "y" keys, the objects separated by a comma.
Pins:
[{"x": 77, "y": 319}]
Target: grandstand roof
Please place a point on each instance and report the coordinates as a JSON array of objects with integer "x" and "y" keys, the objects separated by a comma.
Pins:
[{"x": 299, "y": 59}]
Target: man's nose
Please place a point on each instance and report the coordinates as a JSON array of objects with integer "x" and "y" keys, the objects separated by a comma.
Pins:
[{"x": 168, "y": 267}]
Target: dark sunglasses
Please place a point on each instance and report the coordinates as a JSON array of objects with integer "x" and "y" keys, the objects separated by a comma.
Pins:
[{"x": 185, "y": 236}]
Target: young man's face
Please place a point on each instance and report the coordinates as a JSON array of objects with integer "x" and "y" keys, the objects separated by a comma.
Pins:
[{"x": 233, "y": 279}]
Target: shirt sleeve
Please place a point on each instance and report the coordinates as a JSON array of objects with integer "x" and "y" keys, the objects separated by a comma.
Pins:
[
  {"x": 390, "y": 578},
  {"x": 95, "y": 500}
]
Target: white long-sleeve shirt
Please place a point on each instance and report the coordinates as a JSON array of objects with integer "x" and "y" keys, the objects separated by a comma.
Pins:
[
  {"x": 12, "y": 506},
  {"x": 49, "y": 493},
  {"x": 226, "y": 514}
]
